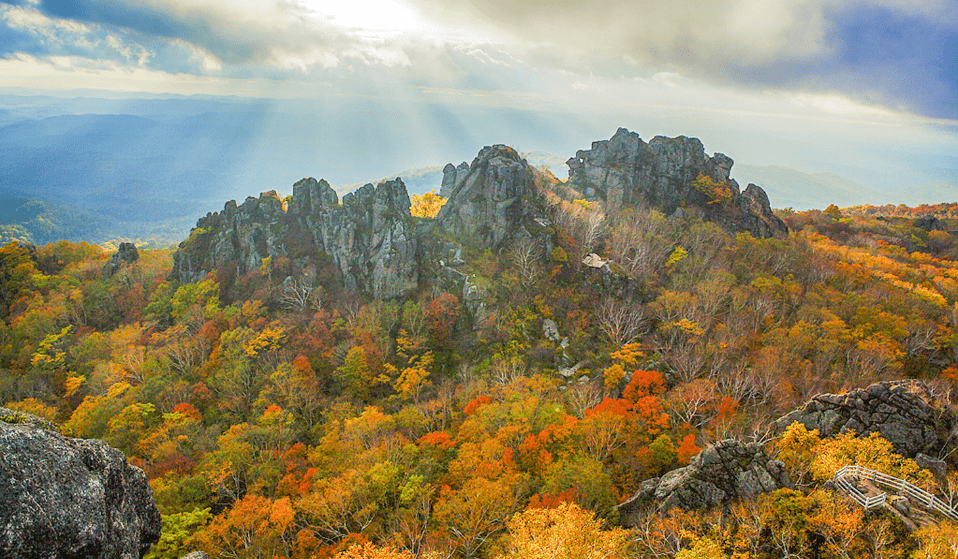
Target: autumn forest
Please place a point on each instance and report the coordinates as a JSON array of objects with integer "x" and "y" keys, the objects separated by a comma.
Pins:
[{"x": 278, "y": 413}]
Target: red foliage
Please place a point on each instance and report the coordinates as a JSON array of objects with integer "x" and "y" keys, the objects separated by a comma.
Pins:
[{"x": 475, "y": 404}]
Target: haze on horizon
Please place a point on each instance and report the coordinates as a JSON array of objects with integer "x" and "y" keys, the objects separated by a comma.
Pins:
[{"x": 353, "y": 90}]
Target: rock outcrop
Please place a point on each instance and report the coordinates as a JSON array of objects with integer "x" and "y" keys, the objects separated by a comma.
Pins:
[
  {"x": 452, "y": 177},
  {"x": 662, "y": 174},
  {"x": 722, "y": 472},
  {"x": 70, "y": 498},
  {"x": 494, "y": 201},
  {"x": 125, "y": 255},
  {"x": 905, "y": 413},
  {"x": 370, "y": 236}
]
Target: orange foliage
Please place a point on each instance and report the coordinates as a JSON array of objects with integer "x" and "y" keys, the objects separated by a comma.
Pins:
[
  {"x": 475, "y": 404},
  {"x": 687, "y": 449}
]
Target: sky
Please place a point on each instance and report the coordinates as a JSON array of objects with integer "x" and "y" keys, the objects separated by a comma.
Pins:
[{"x": 795, "y": 82}]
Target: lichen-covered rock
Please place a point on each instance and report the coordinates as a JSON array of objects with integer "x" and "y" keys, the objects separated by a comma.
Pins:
[
  {"x": 494, "y": 201},
  {"x": 70, "y": 498},
  {"x": 721, "y": 472},
  {"x": 905, "y": 413},
  {"x": 370, "y": 236},
  {"x": 625, "y": 170},
  {"x": 125, "y": 255}
]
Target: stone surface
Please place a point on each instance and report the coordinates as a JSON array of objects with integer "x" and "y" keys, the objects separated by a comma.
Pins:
[
  {"x": 452, "y": 178},
  {"x": 70, "y": 498},
  {"x": 495, "y": 201},
  {"x": 721, "y": 472},
  {"x": 904, "y": 412},
  {"x": 369, "y": 236},
  {"x": 125, "y": 255},
  {"x": 625, "y": 170}
]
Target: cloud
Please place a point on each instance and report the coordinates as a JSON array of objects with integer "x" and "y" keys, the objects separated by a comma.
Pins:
[
  {"x": 896, "y": 53},
  {"x": 237, "y": 32},
  {"x": 872, "y": 50}
]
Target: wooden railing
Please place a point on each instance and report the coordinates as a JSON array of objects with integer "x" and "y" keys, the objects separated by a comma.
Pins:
[{"x": 886, "y": 481}]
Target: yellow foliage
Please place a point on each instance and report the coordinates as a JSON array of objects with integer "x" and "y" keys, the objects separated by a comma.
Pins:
[
  {"x": 937, "y": 542},
  {"x": 270, "y": 338},
  {"x": 564, "y": 532},
  {"x": 370, "y": 551},
  {"x": 427, "y": 205},
  {"x": 717, "y": 192},
  {"x": 701, "y": 548},
  {"x": 803, "y": 451}
]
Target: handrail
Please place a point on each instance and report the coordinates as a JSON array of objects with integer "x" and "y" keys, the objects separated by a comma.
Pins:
[{"x": 897, "y": 484}]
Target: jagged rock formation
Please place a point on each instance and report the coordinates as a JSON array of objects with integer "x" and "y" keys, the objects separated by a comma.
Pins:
[
  {"x": 494, "y": 200},
  {"x": 370, "y": 236},
  {"x": 722, "y": 472},
  {"x": 125, "y": 255},
  {"x": 452, "y": 177},
  {"x": 661, "y": 173},
  {"x": 904, "y": 412},
  {"x": 375, "y": 246},
  {"x": 70, "y": 498}
]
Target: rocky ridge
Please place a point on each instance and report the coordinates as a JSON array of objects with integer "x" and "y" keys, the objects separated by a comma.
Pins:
[
  {"x": 905, "y": 413},
  {"x": 375, "y": 247},
  {"x": 69, "y": 498},
  {"x": 370, "y": 236},
  {"x": 721, "y": 472},
  {"x": 625, "y": 170}
]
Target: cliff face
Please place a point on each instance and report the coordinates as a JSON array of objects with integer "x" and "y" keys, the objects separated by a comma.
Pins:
[
  {"x": 662, "y": 173},
  {"x": 369, "y": 237},
  {"x": 494, "y": 200},
  {"x": 70, "y": 498}
]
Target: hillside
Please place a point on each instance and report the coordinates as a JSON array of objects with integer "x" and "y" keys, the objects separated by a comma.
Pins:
[{"x": 643, "y": 359}]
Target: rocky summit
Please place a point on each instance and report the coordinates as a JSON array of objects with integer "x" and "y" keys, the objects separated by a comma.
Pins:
[
  {"x": 494, "y": 200},
  {"x": 905, "y": 413},
  {"x": 369, "y": 236},
  {"x": 672, "y": 175},
  {"x": 375, "y": 247},
  {"x": 721, "y": 472},
  {"x": 69, "y": 498}
]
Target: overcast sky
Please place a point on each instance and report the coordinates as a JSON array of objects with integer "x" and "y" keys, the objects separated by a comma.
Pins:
[{"x": 868, "y": 71}]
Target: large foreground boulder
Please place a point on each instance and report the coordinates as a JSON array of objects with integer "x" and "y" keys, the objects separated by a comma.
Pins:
[
  {"x": 905, "y": 413},
  {"x": 722, "y": 472},
  {"x": 70, "y": 498}
]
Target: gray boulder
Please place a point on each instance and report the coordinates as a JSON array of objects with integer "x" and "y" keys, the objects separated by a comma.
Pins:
[
  {"x": 904, "y": 412},
  {"x": 70, "y": 498},
  {"x": 125, "y": 255},
  {"x": 625, "y": 170},
  {"x": 722, "y": 472}
]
